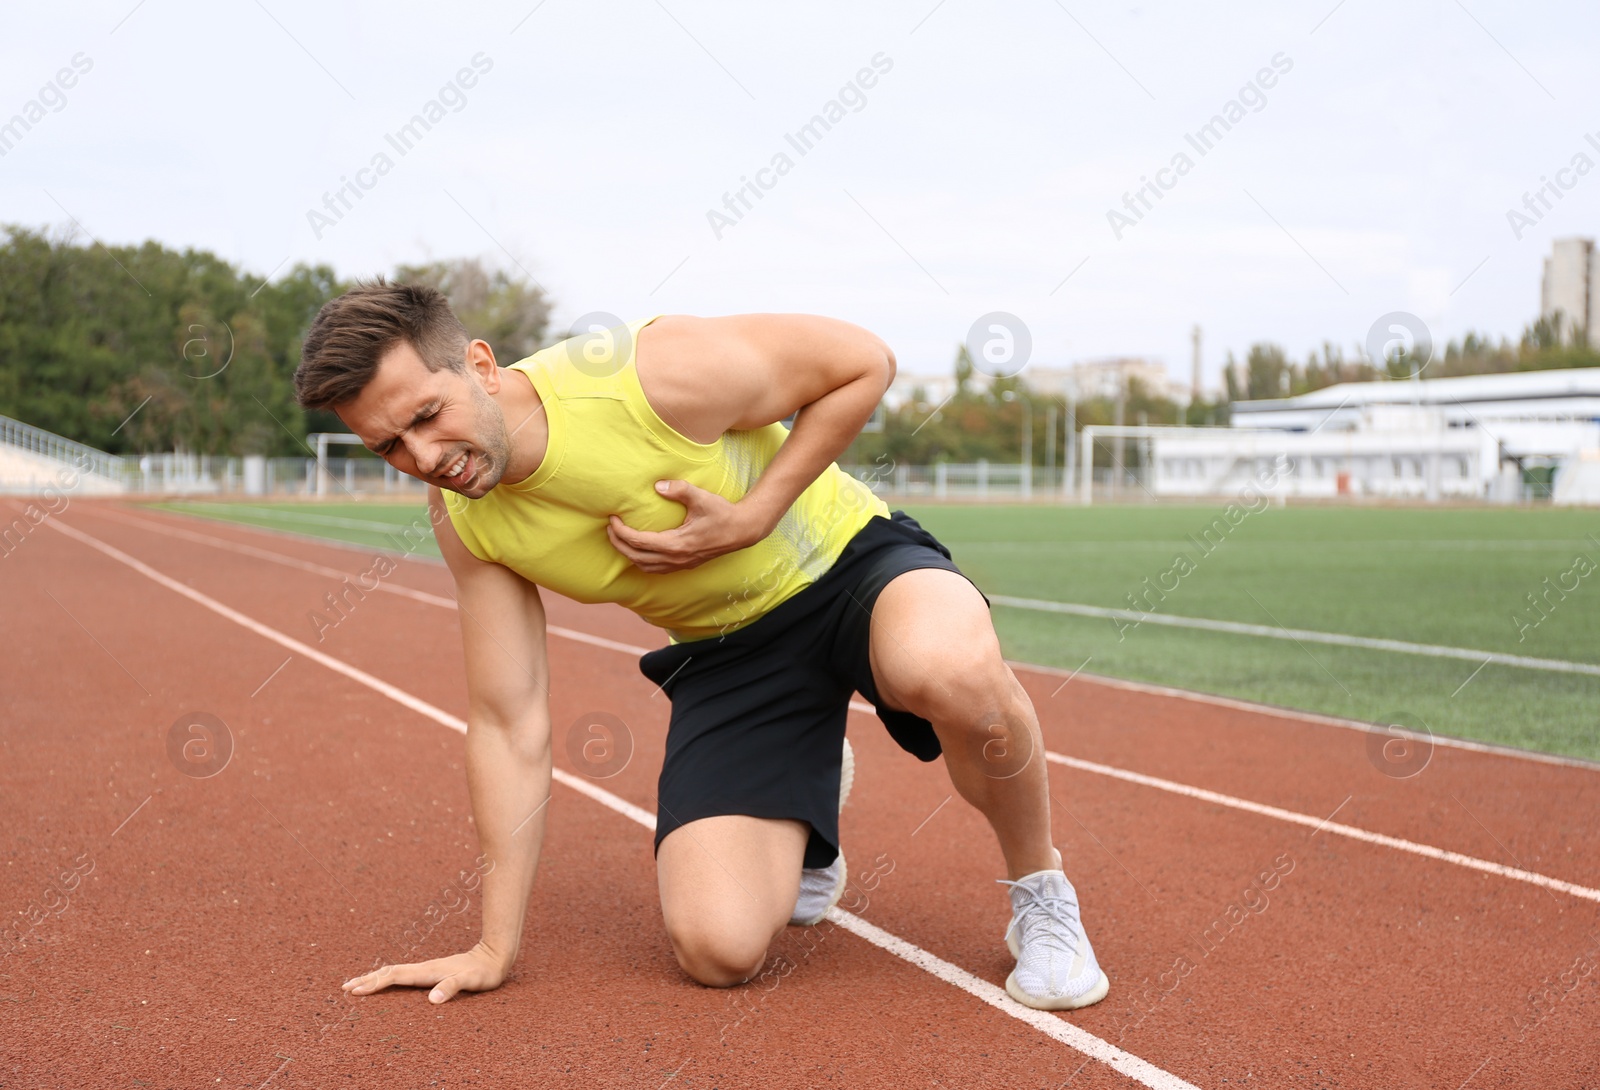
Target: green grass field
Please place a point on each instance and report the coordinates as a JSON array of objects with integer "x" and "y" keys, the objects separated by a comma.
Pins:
[{"x": 1453, "y": 577}]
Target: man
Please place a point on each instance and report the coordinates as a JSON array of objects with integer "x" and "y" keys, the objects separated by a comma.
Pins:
[{"x": 649, "y": 467}]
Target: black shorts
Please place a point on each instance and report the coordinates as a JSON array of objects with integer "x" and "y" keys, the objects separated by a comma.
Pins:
[{"x": 758, "y": 714}]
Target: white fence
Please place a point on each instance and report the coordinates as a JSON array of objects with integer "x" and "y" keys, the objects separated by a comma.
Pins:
[
  {"x": 966, "y": 480},
  {"x": 189, "y": 474},
  {"x": 35, "y": 461}
]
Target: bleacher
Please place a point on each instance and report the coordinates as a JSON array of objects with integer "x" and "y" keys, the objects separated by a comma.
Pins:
[{"x": 33, "y": 461}]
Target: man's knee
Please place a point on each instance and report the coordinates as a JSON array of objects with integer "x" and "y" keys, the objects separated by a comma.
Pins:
[
  {"x": 718, "y": 957},
  {"x": 959, "y": 682},
  {"x": 983, "y": 718}
]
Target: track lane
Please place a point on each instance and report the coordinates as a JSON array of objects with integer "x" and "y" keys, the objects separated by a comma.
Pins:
[
  {"x": 596, "y": 892},
  {"x": 974, "y": 842},
  {"x": 1456, "y": 793}
]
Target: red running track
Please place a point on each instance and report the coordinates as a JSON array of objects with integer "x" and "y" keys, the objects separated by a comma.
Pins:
[{"x": 168, "y": 930}]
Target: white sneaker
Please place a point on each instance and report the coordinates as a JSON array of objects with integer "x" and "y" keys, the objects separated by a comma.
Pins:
[
  {"x": 1056, "y": 968},
  {"x": 821, "y": 887}
]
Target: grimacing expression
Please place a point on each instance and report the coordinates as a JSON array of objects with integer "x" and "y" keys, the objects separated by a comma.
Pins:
[{"x": 441, "y": 427}]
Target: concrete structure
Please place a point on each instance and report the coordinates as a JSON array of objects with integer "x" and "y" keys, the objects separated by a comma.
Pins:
[
  {"x": 1578, "y": 483},
  {"x": 1429, "y": 439},
  {"x": 935, "y": 388},
  {"x": 1103, "y": 378},
  {"x": 1571, "y": 288}
]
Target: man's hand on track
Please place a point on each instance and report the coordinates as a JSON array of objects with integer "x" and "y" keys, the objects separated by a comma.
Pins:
[
  {"x": 711, "y": 527},
  {"x": 477, "y": 970}
]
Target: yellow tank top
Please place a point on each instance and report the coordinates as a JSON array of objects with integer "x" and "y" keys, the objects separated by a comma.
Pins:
[{"x": 607, "y": 449}]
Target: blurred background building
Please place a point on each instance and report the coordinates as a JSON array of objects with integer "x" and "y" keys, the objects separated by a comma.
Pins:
[{"x": 1569, "y": 296}]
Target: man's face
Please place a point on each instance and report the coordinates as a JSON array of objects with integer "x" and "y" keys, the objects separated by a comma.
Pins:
[{"x": 441, "y": 427}]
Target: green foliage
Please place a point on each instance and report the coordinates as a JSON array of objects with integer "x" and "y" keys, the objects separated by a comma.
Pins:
[
  {"x": 1541, "y": 348},
  {"x": 1266, "y": 372},
  {"x": 142, "y": 348},
  {"x": 989, "y": 423},
  {"x": 89, "y": 334},
  {"x": 963, "y": 369},
  {"x": 979, "y": 423},
  {"x": 510, "y": 315}
]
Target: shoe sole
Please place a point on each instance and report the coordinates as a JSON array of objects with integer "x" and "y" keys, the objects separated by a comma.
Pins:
[
  {"x": 1058, "y": 1003},
  {"x": 1051, "y": 1003}
]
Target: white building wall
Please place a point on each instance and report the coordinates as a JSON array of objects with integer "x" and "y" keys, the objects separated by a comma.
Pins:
[{"x": 1440, "y": 463}]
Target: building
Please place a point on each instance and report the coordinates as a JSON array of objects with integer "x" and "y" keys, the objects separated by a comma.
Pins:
[
  {"x": 1571, "y": 289},
  {"x": 1104, "y": 378},
  {"x": 934, "y": 389},
  {"x": 1474, "y": 437}
]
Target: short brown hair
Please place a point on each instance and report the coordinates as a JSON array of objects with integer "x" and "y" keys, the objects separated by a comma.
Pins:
[{"x": 352, "y": 333}]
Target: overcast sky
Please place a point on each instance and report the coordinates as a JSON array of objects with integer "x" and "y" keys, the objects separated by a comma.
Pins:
[{"x": 975, "y": 174}]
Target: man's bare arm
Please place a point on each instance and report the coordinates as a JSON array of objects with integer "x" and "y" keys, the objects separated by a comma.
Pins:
[
  {"x": 705, "y": 376},
  {"x": 508, "y": 763}
]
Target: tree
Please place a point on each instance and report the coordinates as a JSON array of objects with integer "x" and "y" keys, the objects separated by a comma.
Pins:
[
  {"x": 143, "y": 348},
  {"x": 963, "y": 369},
  {"x": 1266, "y": 368},
  {"x": 511, "y": 315},
  {"x": 139, "y": 348}
]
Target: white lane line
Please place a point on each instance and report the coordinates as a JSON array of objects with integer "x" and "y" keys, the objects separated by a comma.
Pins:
[
  {"x": 1079, "y": 1039},
  {"x": 1260, "y": 809},
  {"x": 1327, "y": 826},
  {"x": 1150, "y": 688},
  {"x": 1066, "y": 1032},
  {"x": 334, "y": 573},
  {"x": 275, "y": 558},
  {"x": 398, "y": 695},
  {"x": 1133, "y": 616}
]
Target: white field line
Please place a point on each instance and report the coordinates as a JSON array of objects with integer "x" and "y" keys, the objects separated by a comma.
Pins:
[
  {"x": 1303, "y": 635},
  {"x": 1293, "y": 714},
  {"x": 1254, "y": 707},
  {"x": 1128, "y": 1064},
  {"x": 1246, "y": 805},
  {"x": 306, "y": 516},
  {"x": 1159, "y": 545}
]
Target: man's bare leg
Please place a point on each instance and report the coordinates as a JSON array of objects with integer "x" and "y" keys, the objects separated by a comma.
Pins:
[
  {"x": 728, "y": 887},
  {"x": 934, "y": 653}
]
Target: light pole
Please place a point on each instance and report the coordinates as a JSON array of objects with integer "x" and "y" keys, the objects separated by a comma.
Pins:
[
  {"x": 1070, "y": 440},
  {"x": 1026, "y": 466},
  {"x": 1049, "y": 439}
]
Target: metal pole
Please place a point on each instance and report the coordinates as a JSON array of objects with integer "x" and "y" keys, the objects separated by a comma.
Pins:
[
  {"x": 1118, "y": 448},
  {"x": 1069, "y": 448},
  {"x": 1086, "y": 468},
  {"x": 1049, "y": 441},
  {"x": 322, "y": 464},
  {"x": 1027, "y": 447}
]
